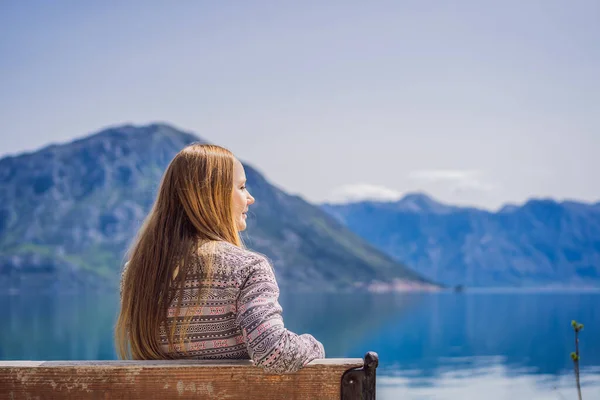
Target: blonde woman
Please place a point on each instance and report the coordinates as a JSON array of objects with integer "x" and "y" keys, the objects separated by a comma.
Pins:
[{"x": 190, "y": 289}]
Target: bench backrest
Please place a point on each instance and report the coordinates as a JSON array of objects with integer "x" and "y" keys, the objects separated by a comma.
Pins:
[{"x": 335, "y": 378}]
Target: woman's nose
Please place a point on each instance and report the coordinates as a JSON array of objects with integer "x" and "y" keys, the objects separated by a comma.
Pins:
[{"x": 250, "y": 200}]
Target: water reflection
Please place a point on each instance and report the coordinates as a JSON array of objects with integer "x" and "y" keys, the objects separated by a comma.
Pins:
[
  {"x": 50, "y": 327},
  {"x": 443, "y": 345},
  {"x": 493, "y": 382},
  {"x": 345, "y": 323},
  {"x": 530, "y": 330}
]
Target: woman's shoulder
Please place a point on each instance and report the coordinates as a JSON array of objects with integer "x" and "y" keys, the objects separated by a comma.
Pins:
[{"x": 229, "y": 254}]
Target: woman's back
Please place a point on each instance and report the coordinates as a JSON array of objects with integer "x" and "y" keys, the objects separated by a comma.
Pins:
[{"x": 240, "y": 316}]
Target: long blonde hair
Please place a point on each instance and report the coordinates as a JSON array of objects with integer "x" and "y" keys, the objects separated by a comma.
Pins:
[{"x": 193, "y": 207}]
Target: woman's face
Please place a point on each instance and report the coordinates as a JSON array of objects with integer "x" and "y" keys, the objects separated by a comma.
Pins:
[{"x": 241, "y": 197}]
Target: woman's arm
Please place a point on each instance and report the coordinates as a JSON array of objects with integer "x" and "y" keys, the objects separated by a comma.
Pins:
[{"x": 270, "y": 345}]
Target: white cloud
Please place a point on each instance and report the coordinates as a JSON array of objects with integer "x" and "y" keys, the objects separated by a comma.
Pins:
[
  {"x": 362, "y": 191},
  {"x": 458, "y": 180}
]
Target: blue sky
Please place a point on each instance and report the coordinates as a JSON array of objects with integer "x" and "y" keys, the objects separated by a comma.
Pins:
[{"x": 474, "y": 102}]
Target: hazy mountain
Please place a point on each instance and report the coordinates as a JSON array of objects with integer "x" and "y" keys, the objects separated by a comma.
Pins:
[
  {"x": 68, "y": 213},
  {"x": 542, "y": 242}
]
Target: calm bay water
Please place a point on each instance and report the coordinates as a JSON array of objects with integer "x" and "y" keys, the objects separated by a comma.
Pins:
[{"x": 502, "y": 345}]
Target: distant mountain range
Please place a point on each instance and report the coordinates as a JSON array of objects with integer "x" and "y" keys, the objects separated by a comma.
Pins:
[
  {"x": 542, "y": 242},
  {"x": 68, "y": 213}
]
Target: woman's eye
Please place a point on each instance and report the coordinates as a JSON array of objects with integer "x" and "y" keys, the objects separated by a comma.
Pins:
[{"x": 243, "y": 187}]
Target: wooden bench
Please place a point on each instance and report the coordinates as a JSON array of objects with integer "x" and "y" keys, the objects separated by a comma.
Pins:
[{"x": 331, "y": 378}]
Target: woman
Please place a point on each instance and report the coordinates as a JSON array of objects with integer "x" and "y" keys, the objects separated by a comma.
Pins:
[{"x": 190, "y": 289}]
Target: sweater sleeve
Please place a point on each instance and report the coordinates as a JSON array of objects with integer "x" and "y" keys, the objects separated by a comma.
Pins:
[{"x": 270, "y": 345}]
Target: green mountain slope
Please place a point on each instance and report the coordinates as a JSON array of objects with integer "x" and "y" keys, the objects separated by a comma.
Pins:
[{"x": 69, "y": 212}]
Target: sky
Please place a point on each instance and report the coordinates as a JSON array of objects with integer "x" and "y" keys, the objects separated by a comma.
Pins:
[{"x": 476, "y": 103}]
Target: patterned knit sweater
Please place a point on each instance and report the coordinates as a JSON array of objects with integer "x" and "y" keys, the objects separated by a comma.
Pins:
[{"x": 240, "y": 317}]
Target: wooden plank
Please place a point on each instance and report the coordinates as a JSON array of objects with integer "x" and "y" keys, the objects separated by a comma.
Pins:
[
  {"x": 21, "y": 363},
  {"x": 167, "y": 363},
  {"x": 181, "y": 379}
]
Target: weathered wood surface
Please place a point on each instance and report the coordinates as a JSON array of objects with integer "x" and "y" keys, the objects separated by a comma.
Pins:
[{"x": 181, "y": 379}]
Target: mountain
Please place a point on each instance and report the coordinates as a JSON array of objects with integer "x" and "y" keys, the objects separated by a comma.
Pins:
[
  {"x": 542, "y": 242},
  {"x": 68, "y": 213}
]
